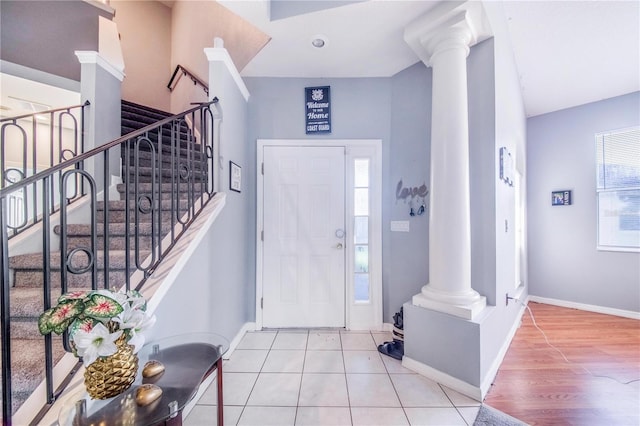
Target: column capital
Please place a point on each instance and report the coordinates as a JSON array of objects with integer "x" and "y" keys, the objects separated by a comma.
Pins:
[{"x": 449, "y": 25}]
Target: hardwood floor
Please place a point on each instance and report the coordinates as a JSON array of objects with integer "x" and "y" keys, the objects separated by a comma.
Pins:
[{"x": 537, "y": 385}]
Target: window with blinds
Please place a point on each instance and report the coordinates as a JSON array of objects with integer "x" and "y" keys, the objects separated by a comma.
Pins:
[{"x": 618, "y": 189}]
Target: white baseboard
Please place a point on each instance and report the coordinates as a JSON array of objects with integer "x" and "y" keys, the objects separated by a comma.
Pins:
[
  {"x": 443, "y": 378},
  {"x": 248, "y": 326},
  {"x": 586, "y": 307},
  {"x": 497, "y": 362}
]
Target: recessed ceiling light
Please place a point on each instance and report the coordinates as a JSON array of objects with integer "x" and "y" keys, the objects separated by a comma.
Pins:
[{"x": 319, "y": 41}]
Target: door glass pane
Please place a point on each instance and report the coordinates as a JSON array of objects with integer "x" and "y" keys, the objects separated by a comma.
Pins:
[
  {"x": 361, "y": 228},
  {"x": 361, "y": 283},
  {"x": 361, "y": 201},
  {"x": 362, "y": 259},
  {"x": 361, "y": 175}
]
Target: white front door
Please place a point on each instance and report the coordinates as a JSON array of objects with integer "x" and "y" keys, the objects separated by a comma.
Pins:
[{"x": 303, "y": 248}]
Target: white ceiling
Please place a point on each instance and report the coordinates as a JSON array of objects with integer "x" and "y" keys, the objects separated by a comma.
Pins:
[{"x": 567, "y": 52}]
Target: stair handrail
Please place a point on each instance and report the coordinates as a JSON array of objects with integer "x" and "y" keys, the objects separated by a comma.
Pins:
[
  {"x": 196, "y": 173},
  {"x": 26, "y": 147},
  {"x": 47, "y": 111},
  {"x": 68, "y": 163},
  {"x": 176, "y": 77}
]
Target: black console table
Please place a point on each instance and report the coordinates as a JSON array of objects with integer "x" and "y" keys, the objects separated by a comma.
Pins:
[{"x": 188, "y": 359}]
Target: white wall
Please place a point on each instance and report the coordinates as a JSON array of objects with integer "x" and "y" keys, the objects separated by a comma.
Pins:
[{"x": 564, "y": 263}]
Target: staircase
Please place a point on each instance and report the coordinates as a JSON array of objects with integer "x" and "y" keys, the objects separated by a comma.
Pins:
[{"x": 163, "y": 189}]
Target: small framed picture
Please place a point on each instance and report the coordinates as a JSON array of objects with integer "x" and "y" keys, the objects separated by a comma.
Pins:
[
  {"x": 235, "y": 177},
  {"x": 561, "y": 198}
]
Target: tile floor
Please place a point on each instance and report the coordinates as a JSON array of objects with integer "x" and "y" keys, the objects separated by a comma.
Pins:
[{"x": 326, "y": 377}]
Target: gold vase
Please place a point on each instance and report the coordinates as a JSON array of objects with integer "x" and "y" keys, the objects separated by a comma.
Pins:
[{"x": 110, "y": 376}]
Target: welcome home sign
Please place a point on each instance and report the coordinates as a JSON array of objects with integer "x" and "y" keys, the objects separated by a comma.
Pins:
[{"x": 317, "y": 110}]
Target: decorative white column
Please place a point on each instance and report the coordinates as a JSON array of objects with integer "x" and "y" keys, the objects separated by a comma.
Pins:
[{"x": 442, "y": 38}]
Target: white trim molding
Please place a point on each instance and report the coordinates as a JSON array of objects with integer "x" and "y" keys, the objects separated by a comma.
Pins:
[
  {"x": 497, "y": 362},
  {"x": 443, "y": 378},
  {"x": 477, "y": 393},
  {"x": 93, "y": 57},
  {"x": 220, "y": 54},
  {"x": 358, "y": 316},
  {"x": 585, "y": 307}
]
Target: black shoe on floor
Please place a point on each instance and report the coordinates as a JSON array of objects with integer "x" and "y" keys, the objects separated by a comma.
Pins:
[{"x": 393, "y": 349}]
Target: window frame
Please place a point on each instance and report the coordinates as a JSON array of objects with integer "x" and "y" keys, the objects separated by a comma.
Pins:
[{"x": 603, "y": 189}]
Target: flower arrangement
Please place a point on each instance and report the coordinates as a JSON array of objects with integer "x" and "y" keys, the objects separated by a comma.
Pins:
[{"x": 95, "y": 319}]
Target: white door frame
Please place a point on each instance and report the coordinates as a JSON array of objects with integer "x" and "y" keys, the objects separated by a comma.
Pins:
[{"x": 358, "y": 315}]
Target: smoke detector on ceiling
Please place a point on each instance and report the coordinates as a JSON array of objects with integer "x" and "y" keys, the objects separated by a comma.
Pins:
[{"x": 319, "y": 41}]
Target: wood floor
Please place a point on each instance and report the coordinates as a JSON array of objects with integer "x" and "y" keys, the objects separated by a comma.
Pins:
[{"x": 537, "y": 385}]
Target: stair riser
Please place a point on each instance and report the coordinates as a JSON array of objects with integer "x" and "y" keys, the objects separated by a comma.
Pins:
[
  {"x": 184, "y": 143},
  {"x": 119, "y": 216},
  {"x": 28, "y": 329},
  {"x": 145, "y": 160},
  {"x": 167, "y": 174},
  {"x": 182, "y": 195},
  {"x": 164, "y": 206},
  {"x": 115, "y": 242},
  {"x": 36, "y": 278},
  {"x": 144, "y": 110},
  {"x": 165, "y": 188},
  {"x": 128, "y": 126}
]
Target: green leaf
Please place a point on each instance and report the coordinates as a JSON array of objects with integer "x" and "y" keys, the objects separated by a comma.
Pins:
[
  {"x": 85, "y": 324},
  {"x": 58, "y": 318},
  {"x": 44, "y": 322},
  {"x": 74, "y": 295},
  {"x": 61, "y": 327},
  {"x": 100, "y": 306}
]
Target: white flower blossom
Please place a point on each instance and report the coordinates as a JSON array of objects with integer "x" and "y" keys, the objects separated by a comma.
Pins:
[
  {"x": 135, "y": 321},
  {"x": 96, "y": 343}
]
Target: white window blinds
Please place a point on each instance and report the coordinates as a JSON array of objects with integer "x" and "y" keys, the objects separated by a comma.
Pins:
[{"x": 618, "y": 189}]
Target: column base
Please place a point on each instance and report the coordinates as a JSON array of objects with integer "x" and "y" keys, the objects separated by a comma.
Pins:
[{"x": 468, "y": 309}]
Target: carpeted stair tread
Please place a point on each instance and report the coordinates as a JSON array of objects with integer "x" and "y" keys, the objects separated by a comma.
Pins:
[
  {"x": 165, "y": 143},
  {"x": 34, "y": 261},
  {"x": 114, "y": 206},
  {"x": 147, "y": 157},
  {"x": 27, "y": 362},
  {"x": 35, "y": 278},
  {"x": 176, "y": 173},
  {"x": 132, "y": 106},
  {"x": 27, "y": 302},
  {"x": 115, "y": 229},
  {"x": 130, "y": 125},
  {"x": 166, "y": 187}
]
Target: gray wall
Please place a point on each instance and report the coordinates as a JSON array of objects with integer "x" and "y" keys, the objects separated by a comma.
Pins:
[
  {"x": 216, "y": 285},
  {"x": 398, "y": 111},
  {"x": 406, "y": 255},
  {"x": 44, "y": 34},
  {"x": 563, "y": 261},
  {"x": 360, "y": 110}
]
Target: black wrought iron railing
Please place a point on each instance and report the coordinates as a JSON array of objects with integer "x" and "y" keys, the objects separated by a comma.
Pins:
[
  {"x": 102, "y": 240},
  {"x": 35, "y": 142},
  {"x": 181, "y": 71}
]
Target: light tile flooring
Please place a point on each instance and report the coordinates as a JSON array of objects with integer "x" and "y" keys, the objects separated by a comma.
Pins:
[{"x": 326, "y": 377}]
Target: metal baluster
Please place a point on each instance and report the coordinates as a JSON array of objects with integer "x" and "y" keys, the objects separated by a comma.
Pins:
[{"x": 5, "y": 317}]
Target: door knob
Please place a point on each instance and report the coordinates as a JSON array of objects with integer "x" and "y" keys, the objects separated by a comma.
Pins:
[{"x": 339, "y": 246}]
